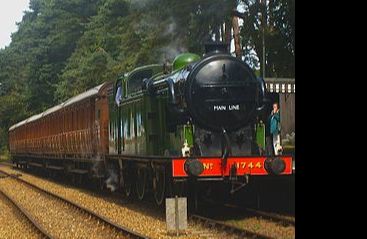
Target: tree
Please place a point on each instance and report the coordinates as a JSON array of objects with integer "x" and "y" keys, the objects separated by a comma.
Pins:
[
  {"x": 277, "y": 21},
  {"x": 63, "y": 48}
]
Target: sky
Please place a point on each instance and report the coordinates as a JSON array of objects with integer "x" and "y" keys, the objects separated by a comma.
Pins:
[{"x": 11, "y": 11}]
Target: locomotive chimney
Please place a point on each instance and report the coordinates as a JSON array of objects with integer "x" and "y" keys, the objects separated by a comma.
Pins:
[{"x": 216, "y": 47}]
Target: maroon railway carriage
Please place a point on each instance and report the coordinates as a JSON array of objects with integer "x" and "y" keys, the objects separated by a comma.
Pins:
[{"x": 70, "y": 135}]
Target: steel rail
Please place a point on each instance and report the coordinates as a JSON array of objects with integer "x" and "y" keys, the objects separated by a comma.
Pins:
[
  {"x": 232, "y": 229},
  {"x": 27, "y": 215},
  {"x": 268, "y": 216},
  {"x": 107, "y": 221},
  {"x": 271, "y": 216}
]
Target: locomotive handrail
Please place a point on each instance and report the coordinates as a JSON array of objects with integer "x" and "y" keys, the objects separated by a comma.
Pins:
[
  {"x": 233, "y": 84},
  {"x": 263, "y": 90},
  {"x": 171, "y": 91}
]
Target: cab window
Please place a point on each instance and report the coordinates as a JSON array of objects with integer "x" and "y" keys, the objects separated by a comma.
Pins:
[{"x": 136, "y": 80}]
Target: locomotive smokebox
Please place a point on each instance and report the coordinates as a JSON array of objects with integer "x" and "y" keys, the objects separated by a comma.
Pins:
[{"x": 222, "y": 92}]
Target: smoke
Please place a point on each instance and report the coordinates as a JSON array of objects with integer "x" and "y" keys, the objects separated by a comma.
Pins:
[
  {"x": 169, "y": 52},
  {"x": 138, "y": 4},
  {"x": 98, "y": 169},
  {"x": 112, "y": 180},
  {"x": 96, "y": 165},
  {"x": 162, "y": 29},
  {"x": 172, "y": 44},
  {"x": 175, "y": 46},
  {"x": 171, "y": 29}
]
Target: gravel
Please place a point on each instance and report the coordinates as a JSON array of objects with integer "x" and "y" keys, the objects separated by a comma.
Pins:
[
  {"x": 147, "y": 219},
  {"x": 264, "y": 227},
  {"x": 253, "y": 223},
  {"x": 59, "y": 219},
  {"x": 12, "y": 223},
  {"x": 142, "y": 219}
]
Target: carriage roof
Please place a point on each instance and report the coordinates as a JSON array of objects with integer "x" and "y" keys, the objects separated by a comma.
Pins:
[{"x": 85, "y": 95}]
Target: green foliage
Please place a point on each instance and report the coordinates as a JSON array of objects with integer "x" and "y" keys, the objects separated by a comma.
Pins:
[
  {"x": 64, "y": 47},
  {"x": 277, "y": 21}
]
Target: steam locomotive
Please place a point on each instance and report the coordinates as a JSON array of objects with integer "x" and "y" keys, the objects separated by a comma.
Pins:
[{"x": 157, "y": 129}]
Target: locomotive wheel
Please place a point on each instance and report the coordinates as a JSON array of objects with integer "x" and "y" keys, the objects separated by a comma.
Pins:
[
  {"x": 159, "y": 184},
  {"x": 141, "y": 182},
  {"x": 100, "y": 184},
  {"x": 126, "y": 178}
]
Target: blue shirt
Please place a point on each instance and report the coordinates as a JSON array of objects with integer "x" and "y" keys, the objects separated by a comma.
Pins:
[{"x": 274, "y": 123}]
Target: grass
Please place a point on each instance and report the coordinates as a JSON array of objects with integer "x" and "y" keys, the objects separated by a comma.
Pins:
[{"x": 4, "y": 156}]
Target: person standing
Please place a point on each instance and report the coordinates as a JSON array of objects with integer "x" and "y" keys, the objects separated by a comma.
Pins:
[
  {"x": 260, "y": 136},
  {"x": 274, "y": 119}
]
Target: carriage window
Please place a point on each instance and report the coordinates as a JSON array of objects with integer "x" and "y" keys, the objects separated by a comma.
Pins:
[{"x": 136, "y": 80}]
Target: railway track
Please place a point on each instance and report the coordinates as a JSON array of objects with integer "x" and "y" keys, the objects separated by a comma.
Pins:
[
  {"x": 246, "y": 222},
  {"x": 147, "y": 208},
  {"x": 242, "y": 233},
  {"x": 122, "y": 231},
  {"x": 281, "y": 219},
  {"x": 41, "y": 231},
  {"x": 204, "y": 225},
  {"x": 232, "y": 209}
]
